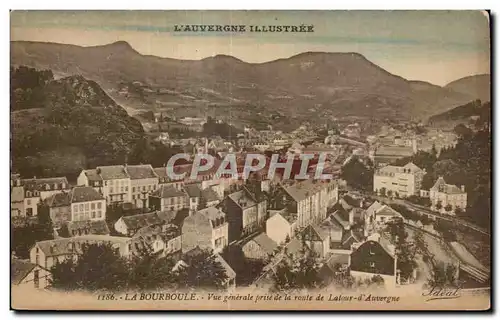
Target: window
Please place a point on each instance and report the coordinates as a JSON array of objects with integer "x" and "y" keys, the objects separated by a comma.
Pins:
[
  {"x": 28, "y": 202},
  {"x": 81, "y": 207},
  {"x": 143, "y": 188},
  {"x": 133, "y": 189},
  {"x": 96, "y": 183},
  {"x": 93, "y": 214},
  {"x": 29, "y": 212},
  {"x": 37, "y": 258},
  {"x": 98, "y": 205},
  {"x": 36, "y": 280},
  {"x": 126, "y": 189},
  {"x": 92, "y": 206},
  {"x": 86, "y": 207},
  {"x": 99, "y": 214},
  {"x": 110, "y": 189}
]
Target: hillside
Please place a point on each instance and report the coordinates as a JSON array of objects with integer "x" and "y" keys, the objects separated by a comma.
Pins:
[
  {"x": 473, "y": 112},
  {"x": 70, "y": 124},
  {"x": 478, "y": 86},
  {"x": 310, "y": 86}
]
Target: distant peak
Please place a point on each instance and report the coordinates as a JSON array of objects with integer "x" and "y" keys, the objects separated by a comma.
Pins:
[
  {"x": 120, "y": 45},
  {"x": 223, "y": 57}
]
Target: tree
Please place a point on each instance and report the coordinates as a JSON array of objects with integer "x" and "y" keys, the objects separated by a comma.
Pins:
[
  {"x": 98, "y": 267},
  {"x": 442, "y": 275},
  {"x": 438, "y": 206},
  {"x": 382, "y": 192},
  {"x": 405, "y": 251},
  {"x": 448, "y": 208},
  {"x": 459, "y": 211},
  {"x": 389, "y": 193},
  {"x": 202, "y": 271},
  {"x": 358, "y": 174},
  {"x": 147, "y": 271},
  {"x": 296, "y": 273}
]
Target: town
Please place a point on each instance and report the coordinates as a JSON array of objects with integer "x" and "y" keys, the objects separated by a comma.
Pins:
[{"x": 385, "y": 218}]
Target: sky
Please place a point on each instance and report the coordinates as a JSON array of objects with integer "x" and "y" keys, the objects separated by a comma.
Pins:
[{"x": 434, "y": 46}]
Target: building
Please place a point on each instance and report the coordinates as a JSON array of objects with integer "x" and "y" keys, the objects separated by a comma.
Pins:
[
  {"x": 246, "y": 213},
  {"x": 164, "y": 179},
  {"x": 80, "y": 204},
  {"x": 143, "y": 181},
  {"x": 310, "y": 199},
  {"x": 193, "y": 192},
  {"x": 373, "y": 258},
  {"x": 164, "y": 240},
  {"x": 402, "y": 181},
  {"x": 129, "y": 225},
  {"x": 385, "y": 155},
  {"x": 113, "y": 182},
  {"x": 445, "y": 196},
  {"x": 47, "y": 253},
  {"x": 26, "y": 194},
  {"x": 80, "y": 228},
  {"x": 17, "y": 201},
  {"x": 207, "y": 229},
  {"x": 28, "y": 275},
  {"x": 260, "y": 247},
  {"x": 167, "y": 197},
  {"x": 281, "y": 225},
  {"x": 86, "y": 204}
]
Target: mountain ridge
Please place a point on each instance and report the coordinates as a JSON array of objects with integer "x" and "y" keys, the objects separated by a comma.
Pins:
[{"x": 333, "y": 84}]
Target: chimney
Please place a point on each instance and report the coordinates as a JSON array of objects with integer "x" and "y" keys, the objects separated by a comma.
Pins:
[{"x": 462, "y": 187}]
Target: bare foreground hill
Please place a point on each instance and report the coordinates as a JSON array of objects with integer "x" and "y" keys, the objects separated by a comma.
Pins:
[{"x": 309, "y": 86}]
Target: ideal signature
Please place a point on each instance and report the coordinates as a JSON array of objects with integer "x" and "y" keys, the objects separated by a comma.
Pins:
[{"x": 436, "y": 293}]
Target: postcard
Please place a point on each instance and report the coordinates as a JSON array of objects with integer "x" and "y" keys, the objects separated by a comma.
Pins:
[{"x": 250, "y": 160}]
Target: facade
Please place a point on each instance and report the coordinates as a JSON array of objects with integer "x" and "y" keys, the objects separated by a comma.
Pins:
[
  {"x": 207, "y": 229},
  {"x": 281, "y": 225},
  {"x": 374, "y": 259},
  {"x": 193, "y": 192},
  {"x": 143, "y": 181},
  {"x": 162, "y": 239},
  {"x": 167, "y": 197},
  {"x": 17, "y": 201},
  {"x": 445, "y": 196},
  {"x": 58, "y": 207},
  {"x": 310, "y": 199},
  {"x": 113, "y": 182},
  {"x": 129, "y": 225},
  {"x": 260, "y": 247},
  {"x": 400, "y": 181},
  {"x": 87, "y": 204},
  {"x": 245, "y": 212},
  {"x": 47, "y": 253}
]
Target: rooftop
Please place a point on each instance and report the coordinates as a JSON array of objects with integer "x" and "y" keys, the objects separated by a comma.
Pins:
[
  {"x": 84, "y": 194},
  {"x": 144, "y": 171},
  {"x": 112, "y": 172}
]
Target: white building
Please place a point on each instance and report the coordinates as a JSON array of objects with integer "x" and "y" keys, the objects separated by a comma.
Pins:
[
  {"x": 448, "y": 196},
  {"x": 143, "y": 181},
  {"x": 207, "y": 229},
  {"x": 401, "y": 181},
  {"x": 113, "y": 182}
]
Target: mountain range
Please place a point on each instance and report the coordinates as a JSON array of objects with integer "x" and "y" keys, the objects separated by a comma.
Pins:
[{"x": 311, "y": 86}]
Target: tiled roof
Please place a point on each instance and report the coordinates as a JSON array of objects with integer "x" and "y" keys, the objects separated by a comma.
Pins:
[
  {"x": 394, "y": 151},
  {"x": 266, "y": 243},
  {"x": 140, "y": 171},
  {"x": 385, "y": 210},
  {"x": 229, "y": 271},
  {"x": 92, "y": 175},
  {"x": 242, "y": 198},
  {"x": 59, "y": 200},
  {"x": 211, "y": 213},
  {"x": 165, "y": 191},
  {"x": 61, "y": 246},
  {"x": 84, "y": 194},
  {"x": 112, "y": 172},
  {"x": 141, "y": 220},
  {"x": 210, "y": 195},
  {"x": 98, "y": 227},
  {"x": 19, "y": 270},
  {"x": 441, "y": 186},
  {"x": 165, "y": 232},
  {"x": 40, "y": 184},
  {"x": 193, "y": 190},
  {"x": 304, "y": 189}
]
